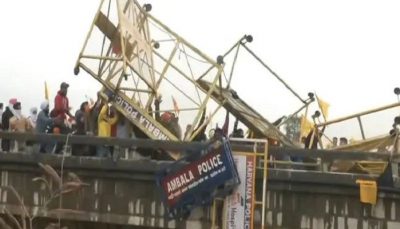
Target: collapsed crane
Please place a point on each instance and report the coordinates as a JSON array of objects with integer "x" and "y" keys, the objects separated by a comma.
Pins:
[{"x": 137, "y": 59}]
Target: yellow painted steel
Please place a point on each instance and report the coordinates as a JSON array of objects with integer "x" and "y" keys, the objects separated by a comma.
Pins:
[
  {"x": 368, "y": 191},
  {"x": 258, "y": 201}
]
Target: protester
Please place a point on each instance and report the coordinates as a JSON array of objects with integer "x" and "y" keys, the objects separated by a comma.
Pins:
[
  {"x": 82, "y": 119},
  {"x": 61, "y": 112},
  {"x": 124, "y": 131},
  {"x": 157, "y": 102},
  {"x": 218, "y": 134},
  {"x": 311, "y": 142},
  {"x": 61, "y": 106},
  {"x": 18, "y": 123},
  {"x": 237, "y": 132},
  {"x": 5, "y": 119},
  {"x": 171, "y": 122},
  {"x": 343, "y": 141},
  {"x": 94, "y": 115},
  {"x": 334, "y": 143},
  {"x": 82, "y": 128},
  {"x": 188, "y": 127},
  {"x": 312, "y": 139},
  {"x": 44, "y": 123},
  {"x": 107, "y": 118},
  {"x": 33, "y": 117},
  {"x": 168, "y": 119},
  {"x": 175, "y": 127},
  {"x": 1, "y": 114},
  {"x": 201, "y": 136}
]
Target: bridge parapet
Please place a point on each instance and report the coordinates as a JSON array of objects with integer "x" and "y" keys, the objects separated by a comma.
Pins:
[{"x": 124, "y": 193}]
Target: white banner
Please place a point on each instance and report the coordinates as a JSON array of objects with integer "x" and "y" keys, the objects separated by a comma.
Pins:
[{"x": 239, "y": 207}]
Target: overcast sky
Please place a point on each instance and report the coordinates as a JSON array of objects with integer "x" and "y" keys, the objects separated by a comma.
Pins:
[{"x": 347, "y": 51}]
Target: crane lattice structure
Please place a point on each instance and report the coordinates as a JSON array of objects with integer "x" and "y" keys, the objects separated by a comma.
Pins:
[{"x": 137, "y": 58}]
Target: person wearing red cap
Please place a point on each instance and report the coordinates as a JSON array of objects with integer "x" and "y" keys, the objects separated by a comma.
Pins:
[
  {"x": 61, "y": 107},
  {"x": 60, "y": 113},
  {"x": 61, "y": 103}
]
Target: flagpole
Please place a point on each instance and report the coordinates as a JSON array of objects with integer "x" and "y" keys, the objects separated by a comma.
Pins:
[
  {"x": 273, "y": 73},
  {"x": 46, "y": 91}
]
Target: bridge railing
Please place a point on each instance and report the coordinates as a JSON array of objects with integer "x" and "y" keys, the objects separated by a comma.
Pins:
[{"x": 279, "y": 155}]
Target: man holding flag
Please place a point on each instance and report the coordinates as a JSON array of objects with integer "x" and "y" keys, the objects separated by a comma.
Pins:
[{"x": 169, "y": 120}]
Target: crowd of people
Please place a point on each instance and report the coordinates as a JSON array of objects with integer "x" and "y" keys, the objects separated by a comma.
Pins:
[
  {"x": 99, "y": 118},
  {"x": 312, "y": 140},
  {"x": 342, "y": 141},
  {"x": 92, "y": 118}
]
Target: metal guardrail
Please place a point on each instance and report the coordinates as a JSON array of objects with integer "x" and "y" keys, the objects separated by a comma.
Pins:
[
  {"x": 97, "y": 141},
  {"x": 287, "y": 173},
  {"x": 358, "y": 116},
  {"x": 187, "y": 146}
]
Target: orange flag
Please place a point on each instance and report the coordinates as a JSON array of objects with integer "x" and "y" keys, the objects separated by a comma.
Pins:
[
  {"x": 225, "y": 127},
  {"x": 176, "y": 108}
]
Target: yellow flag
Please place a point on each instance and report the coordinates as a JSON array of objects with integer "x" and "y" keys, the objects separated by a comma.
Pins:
[
  {"x": 324, "y": 106},
  {"x": 306, "y": 126},
  {"x": 46, "y": 91}
]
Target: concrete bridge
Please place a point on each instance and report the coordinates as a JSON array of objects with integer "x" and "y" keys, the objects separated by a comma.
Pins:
[{"x": 123, "y": 194}]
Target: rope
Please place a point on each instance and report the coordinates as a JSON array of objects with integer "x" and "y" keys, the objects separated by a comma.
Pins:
[
  {"x": 191, "y": 73},
  {"x": 273, "y": 73},
  {"x": 136, "y": 82},
  {"x": 61, "y": 175},
  {"x": 226, "y": 79},
  {"x": 174, "y": 39},
  {"x": 192, "y": 57},
  {"x": 233, "y": 66}
]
